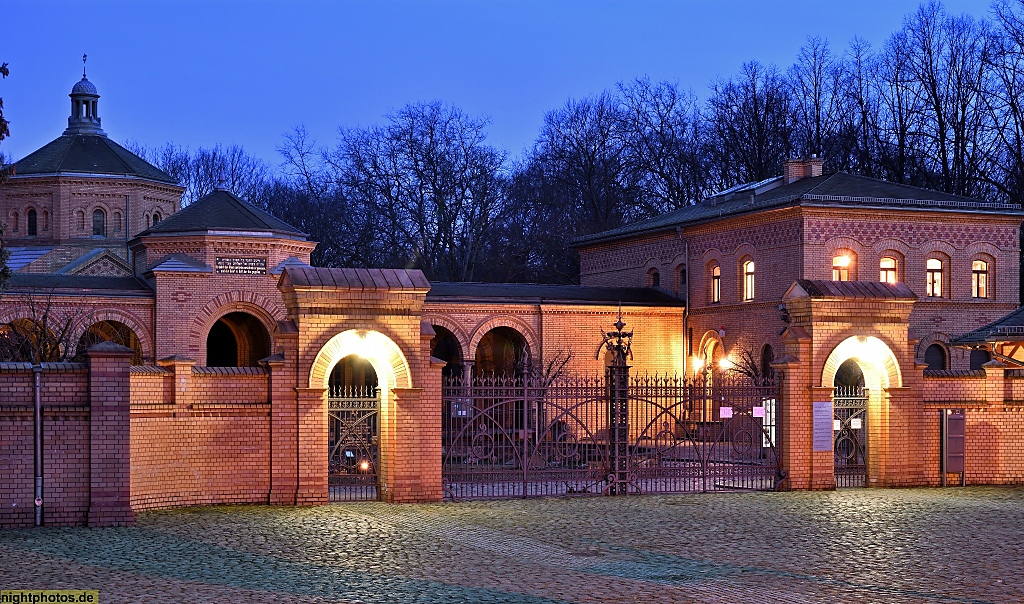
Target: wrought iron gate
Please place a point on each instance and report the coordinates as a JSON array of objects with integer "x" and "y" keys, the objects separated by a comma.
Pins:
[
  {"x": 516, "y": 437},
  {"x": 849, "y": 407},
  {"x": 353, "y": 442}
]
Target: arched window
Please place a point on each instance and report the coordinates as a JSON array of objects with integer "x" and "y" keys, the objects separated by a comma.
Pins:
[
  {"x": 156, "y": 218},
  {"x": 681, "y": 281},
  {"x": 978, "y": 358},
  {"x": 99, "y": 223},
  {"x": 933, "y": 285},
  {"x": 81, "y": 220},
  {"x": 748, "y": 280},
  {"x": 767, "y": 357},
  {"x": 14, "y": 222},
  {"x": 117, "y": 222},
  {"x": 716, "y": 284},
  {"x": 30, "y": 218},
  {"x": 843, "y": 265},
  {"x": 887, "y": 268},
  {"x": 46, "y": 220},
  {"x": 935, "y": 356},
  {"x": 653, "y": 278},
  {"x": 979, "y": 279}
]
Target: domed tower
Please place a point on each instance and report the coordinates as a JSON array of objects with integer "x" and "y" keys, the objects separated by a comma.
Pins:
[{"x": 72, "y": 206}]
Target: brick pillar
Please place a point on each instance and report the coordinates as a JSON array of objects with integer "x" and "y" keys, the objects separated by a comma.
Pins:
[
  {"x": 109, "y": 435},
  {"x": 182, "y": 368},
  {"x": 311, "y": 446},
  {"x": 794, "y": 408},
  {"x": 283, "y": 431},
  {"x": 905, "y": 465},
  {"x": 995, "y": 382},
  {"x": 415, "y": 468},
  {"x": 823, "y": 463}
]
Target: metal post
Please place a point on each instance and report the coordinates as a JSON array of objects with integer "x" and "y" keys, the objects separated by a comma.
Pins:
[
  {"x": 37, "y": 371},
  {"x": 617, "y": 375}
]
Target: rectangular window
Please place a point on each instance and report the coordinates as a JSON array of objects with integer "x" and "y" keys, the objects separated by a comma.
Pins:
[{"x": 933, "y": 286}]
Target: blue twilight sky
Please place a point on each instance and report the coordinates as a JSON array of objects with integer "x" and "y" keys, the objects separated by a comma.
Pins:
[{"x": 203, "y": 72}]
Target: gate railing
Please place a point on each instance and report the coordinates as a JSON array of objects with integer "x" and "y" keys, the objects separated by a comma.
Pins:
[
  {"x": 849, "y": 405},
  {"x": 353, "y": 442},
  {"x": 508, "y": 437}
]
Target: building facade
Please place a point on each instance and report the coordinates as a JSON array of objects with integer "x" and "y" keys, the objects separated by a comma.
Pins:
[{"x": 182, "y": 356}]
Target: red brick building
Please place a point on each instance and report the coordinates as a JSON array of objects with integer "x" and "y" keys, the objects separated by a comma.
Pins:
[{"x": 233, "y": 371}]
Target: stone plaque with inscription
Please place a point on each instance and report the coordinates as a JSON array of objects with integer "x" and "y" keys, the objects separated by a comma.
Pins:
[{"x": 241, "y": 266}]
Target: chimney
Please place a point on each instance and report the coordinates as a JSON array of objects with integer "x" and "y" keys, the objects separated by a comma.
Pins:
[{"x": 798, "y": 168}]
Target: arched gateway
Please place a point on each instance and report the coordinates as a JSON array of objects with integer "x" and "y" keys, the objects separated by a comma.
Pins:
[{"x": 368, "y": 394}]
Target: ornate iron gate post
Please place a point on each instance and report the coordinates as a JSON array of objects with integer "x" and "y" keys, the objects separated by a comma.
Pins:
[{"x": 617, "y": 376}]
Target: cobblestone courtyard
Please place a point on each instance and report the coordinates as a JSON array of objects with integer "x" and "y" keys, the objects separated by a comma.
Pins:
[{"x": 926, "y": 545}]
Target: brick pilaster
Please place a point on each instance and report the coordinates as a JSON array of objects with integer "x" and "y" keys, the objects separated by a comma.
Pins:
[{"x": 109, "y": 435}]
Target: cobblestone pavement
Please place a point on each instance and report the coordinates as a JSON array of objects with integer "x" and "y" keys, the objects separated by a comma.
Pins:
[{"x": 924, "y": 545}]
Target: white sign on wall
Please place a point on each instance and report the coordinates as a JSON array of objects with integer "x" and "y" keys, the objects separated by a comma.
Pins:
[{"x": 822, "y": 415}]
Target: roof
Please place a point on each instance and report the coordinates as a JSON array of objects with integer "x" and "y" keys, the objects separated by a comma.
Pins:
[
  {"x": 1009, "y": 328},
  {"x": 22, "y": 256},
  {"x": 78, "y": 285},
  {"x": 92, "y": 154},
  {"x": 865, "y": 290},
  {"x": 180, "y": 263},
  {"x": 547, "y": 294},
  {"x": 832, "y": 190},
  {"x": 356, "y": 278},
  {"x": 222, "y": 211}
]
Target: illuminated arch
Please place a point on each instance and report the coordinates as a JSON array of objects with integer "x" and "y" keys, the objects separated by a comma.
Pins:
[
  {"x": 876, "y": 360},
  {"x": 129, "y": 319},
  {"x": 384, "y": 355}
]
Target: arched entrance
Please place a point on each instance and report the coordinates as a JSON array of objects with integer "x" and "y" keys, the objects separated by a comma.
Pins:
[
  {"x": 502, "y": 352},
  {"x": 358, "y": 370},
  {"x": 238, "y": 339},
  {"x": 110, "y": 331},
  {"x": 859, "y": 370},
  {"x": 445, "y": 346},
  {"x": 353, "y": 430}
]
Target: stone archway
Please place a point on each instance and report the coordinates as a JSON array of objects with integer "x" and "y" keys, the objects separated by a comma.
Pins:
[
  {"x": 862, "y": 414},
  {"x": 370, "y": 423}
]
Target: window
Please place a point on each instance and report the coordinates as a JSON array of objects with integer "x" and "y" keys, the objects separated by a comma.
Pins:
[
  {"x": 81, "y": 220},
  {"x": 935, "y": 356},
  {"x": 653, "y": 278},
  {"x": 30, "y": 218},
  {"x": 14, "y": 222},
  {"x": 46, "y": 220},
  {"x": 99, "y": 223},
  {"x": 716, "y": 284},
  {"x": 933, "y": 286},
  {"x": 887, "y": 270},
  {"x": 978, "y": 358},
  {"x": 681, "y": 281},
  {"x": 841, "y": 267},
  {"x": 156, "y": 218},
  {"x": 979, "y": 279},
  {"x": 117, "y": 222},
  {"x": 748, "y": 280}
]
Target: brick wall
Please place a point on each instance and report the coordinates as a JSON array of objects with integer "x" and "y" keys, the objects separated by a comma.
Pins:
[{"x": 204, "y": 441}]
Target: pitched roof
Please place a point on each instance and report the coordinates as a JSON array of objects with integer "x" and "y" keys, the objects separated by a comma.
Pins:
[
  {"x": 222, "y": 211},
  {"x": 180, "y": 263},
  {"x": 78, "y": 285},
  {"x": 865, "y": 290},
  {"x": 88, "y": 154},
  {"x": 356, "y": 278},
  {"x": 832, "y": 190},
  {"x": 550, "y": 294},
  {"x": 1009, "y": 328}
]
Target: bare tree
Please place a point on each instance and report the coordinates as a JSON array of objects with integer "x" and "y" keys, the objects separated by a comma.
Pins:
[
  {"x": 666, "y": 139},
  {"x": 203, "y": 170},
  {"x": 817, "y": 82},
  {"x": 751, "y": 125},
  {"x": 430, "y": 187},
  {"x": 43, "y": 335}
]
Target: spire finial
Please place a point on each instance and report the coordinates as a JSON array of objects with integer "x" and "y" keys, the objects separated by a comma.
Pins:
[{"x": 84, "y": 58}]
